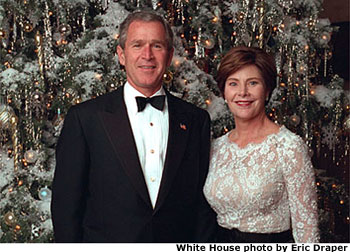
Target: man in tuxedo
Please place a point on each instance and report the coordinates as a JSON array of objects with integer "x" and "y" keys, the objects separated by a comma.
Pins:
[{"x": 131, "y": 164}]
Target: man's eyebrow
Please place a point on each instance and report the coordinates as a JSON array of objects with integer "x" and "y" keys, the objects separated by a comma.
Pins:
[{"x": 154, "y": 41}]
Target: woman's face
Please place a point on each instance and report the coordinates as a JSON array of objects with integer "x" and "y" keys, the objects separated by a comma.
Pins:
[{"x": 245, "y": 93}]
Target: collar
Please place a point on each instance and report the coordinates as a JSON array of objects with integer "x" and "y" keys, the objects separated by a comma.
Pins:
[{"x": 129, "y": 97}]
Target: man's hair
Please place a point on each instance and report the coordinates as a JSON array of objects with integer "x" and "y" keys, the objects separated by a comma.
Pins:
[
  {"x": 242, "y": 56},
  {"x": 146, "y": 16}
]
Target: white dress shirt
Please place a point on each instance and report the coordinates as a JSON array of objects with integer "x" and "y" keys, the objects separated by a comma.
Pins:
[{"x": 150, "y": 128}]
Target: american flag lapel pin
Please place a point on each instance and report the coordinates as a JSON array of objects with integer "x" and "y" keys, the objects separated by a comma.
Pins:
[{"x": 183, "y": 126}]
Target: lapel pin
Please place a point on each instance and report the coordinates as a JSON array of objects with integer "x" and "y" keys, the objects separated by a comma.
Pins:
[{"x": 183, "y": 126}]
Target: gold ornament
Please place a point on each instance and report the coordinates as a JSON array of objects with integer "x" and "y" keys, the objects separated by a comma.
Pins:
[
  {"x": 294, "y": 120},
  {"x": 28, "y": 27},
  {"x": 40, "y": 52},
  {"x": 8, "y": 120},
  {"x": 168, "y": 77},
  {"x": 9, "y": 219},
  {"x": 326, "y": 36},
  {"x": 208, "y": 43},
  {"x": 240, "y": 16},
  {"x": 260, "y": 37}
]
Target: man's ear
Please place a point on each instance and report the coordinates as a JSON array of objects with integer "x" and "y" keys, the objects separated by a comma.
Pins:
[
  {"x": 171, "y": 53},
  {"x": 121, "y": 55}
]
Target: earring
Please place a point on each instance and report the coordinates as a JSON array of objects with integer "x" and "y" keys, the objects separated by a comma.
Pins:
[{"x": 225, "y": 101}]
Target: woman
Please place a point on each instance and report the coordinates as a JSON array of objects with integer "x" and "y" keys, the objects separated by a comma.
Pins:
[{"x": 261, "y": 181}]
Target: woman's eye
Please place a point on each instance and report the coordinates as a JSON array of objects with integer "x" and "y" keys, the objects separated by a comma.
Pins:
[
  {"x": 253, "y": 83},
  {"x": 232, "y": 84}
]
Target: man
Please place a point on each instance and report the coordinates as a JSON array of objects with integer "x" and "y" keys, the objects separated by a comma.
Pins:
[{"x": 129, "y": 174}]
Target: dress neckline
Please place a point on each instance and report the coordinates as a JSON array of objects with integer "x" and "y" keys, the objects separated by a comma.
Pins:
[{"x": 252, "y": 144}]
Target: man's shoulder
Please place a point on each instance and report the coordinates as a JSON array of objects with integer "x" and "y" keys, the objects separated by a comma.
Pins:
[
  {"x": 98, "y": 102},
  {"x": 186, "y": 106}
]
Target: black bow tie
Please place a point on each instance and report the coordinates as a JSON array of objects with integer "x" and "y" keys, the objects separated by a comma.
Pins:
[{"x": 155, "y": 101}]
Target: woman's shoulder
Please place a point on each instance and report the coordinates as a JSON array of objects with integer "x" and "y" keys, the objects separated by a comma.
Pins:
[
  {"x": 288, "y": 138},
  {"x": 219, "y": 141}
]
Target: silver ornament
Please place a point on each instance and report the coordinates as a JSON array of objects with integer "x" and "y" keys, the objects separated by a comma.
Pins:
[
  {"x": 65, "y": 29},
  {"x": 6, "y": 115},
  {"x": 31, "y": 156},
  {"x": 45, "y": 194}
]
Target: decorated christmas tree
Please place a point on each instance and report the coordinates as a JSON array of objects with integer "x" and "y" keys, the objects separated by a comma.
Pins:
[{"x": 54, "y": 54}]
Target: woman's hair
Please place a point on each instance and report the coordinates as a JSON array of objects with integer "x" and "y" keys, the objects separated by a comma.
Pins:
[
  {"x": 242, "y": 56},
  {"x": 146, "y": 16}
]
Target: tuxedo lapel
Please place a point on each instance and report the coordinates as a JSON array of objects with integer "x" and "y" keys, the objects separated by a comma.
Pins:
[
  {"x": 117, "y": 125},
  {"x": 179, "y": 125}
]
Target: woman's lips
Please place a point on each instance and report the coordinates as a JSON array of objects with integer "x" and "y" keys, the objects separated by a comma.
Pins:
[{"x": 243, "y": 103}]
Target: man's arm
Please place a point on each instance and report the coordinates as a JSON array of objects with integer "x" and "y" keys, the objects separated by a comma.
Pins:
[
  {"x": 70, "y": 181},
  {"x": 206, "y": 218}
]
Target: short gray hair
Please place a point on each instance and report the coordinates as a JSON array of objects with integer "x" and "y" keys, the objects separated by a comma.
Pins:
[{"x": 146, "y": 16}]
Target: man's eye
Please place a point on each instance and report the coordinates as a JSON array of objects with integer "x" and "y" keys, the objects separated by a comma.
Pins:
[{"x": 158, "y": 46}]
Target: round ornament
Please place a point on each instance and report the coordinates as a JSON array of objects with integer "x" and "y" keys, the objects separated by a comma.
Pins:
[
  {"x": 347, "y": 124},
  {"x": 326, "y": 37},
  {"x": 31, "y": 156},
  {"x": 28, "y": 27},
  {"x": 6, "y": 115},
  {"x": 294, "y": 120},
  {"x": 168, "y": 77},
  {"x": 311, "y": 152},
  {"x": 65, "y": 29},
  {"x": 177, "y": 61},
  {"x": 2, "y": 34},
  {"x": 37, "y": 96},
  {"x": 58, "y": 120},
  {"x": 311, "y": 23},
  {"x": 37, "y": 100},
  {"x": 9, "y": 218},
  {"x": 71, "y": 93},
  {"x": 45, "y": 194},
  {"x": 57, "y": 39},
  {"x": 240, "y": 16},
  {"x": 208, "y": 43}
]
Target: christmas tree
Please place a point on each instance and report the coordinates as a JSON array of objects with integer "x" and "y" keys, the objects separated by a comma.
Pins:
[{"x": 55, "y": 54}]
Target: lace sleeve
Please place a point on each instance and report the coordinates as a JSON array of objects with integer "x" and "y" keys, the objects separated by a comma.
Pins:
[{"x": 300, "y": 180}]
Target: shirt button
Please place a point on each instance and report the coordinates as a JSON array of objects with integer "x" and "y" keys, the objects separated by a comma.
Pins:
[
  {"x": 153, "y": 179},
  {"x": 151, "y": 124},
  {"x": 152, "y": 151}
]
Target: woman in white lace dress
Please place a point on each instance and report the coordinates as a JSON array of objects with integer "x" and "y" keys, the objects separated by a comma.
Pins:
[{"x": 261, "y": 182}]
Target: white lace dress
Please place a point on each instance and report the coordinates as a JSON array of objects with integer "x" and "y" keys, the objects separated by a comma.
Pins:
[{"x": 265, "y": 187}]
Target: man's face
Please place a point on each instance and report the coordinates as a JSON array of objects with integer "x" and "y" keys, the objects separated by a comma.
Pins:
[{"x": 145, "y": 56}]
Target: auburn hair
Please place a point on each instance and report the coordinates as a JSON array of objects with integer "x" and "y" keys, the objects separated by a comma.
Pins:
[{"x": 242, "y": 56}]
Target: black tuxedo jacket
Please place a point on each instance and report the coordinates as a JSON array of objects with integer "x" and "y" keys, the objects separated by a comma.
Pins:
[{"x": 99, "y": 193}]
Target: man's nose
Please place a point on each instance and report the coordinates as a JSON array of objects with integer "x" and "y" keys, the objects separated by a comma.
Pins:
[{"x": 147, "y": 52}]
